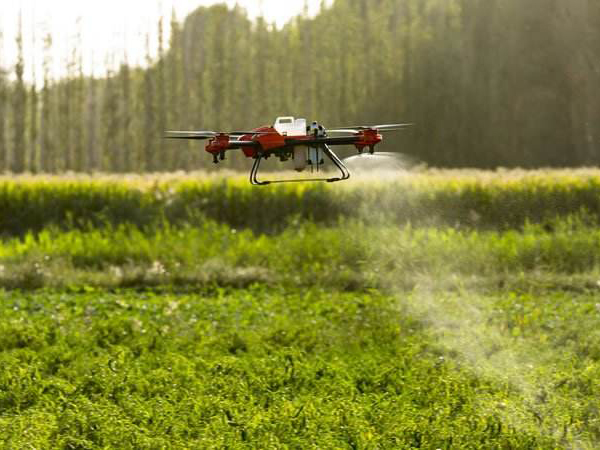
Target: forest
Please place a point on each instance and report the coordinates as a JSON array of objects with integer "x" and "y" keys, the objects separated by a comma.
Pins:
[{"x": 487, "y": 83}]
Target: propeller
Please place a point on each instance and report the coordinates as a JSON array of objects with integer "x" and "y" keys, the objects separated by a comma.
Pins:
[
  {"x": 203, "y": 135},
  {"x": 199, "y": 135},
  {"x": 380, "y": 128},
  {"x": 242, "y": 133}
]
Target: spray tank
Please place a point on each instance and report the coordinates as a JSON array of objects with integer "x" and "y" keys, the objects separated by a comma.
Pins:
[{"x": 313, "y": 155}]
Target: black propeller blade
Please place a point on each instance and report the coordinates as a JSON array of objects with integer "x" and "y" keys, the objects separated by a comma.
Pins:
[
  {"x": 203, "y": 135},
  {"x": 380, "y": 128}
]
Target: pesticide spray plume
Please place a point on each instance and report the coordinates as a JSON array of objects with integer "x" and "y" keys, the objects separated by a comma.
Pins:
[
  {"x": 380, "y": 163},
  {"x": 460, "y": 313}
]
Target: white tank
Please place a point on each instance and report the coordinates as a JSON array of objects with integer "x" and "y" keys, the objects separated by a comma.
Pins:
[{"x": 288, "y": 126}]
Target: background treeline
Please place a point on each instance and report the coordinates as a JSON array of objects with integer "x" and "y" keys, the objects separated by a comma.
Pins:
[{"x": 488, "y": 83}]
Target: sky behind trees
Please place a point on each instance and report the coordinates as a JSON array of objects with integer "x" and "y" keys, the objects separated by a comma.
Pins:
[{"x": 109, "y": 28}]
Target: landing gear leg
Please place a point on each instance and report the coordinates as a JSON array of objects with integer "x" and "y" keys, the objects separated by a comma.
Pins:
[
  {"x": 338, "y": 163},
  {"x": 254, "y": 172},
  {"x": 345, "y": 173}
]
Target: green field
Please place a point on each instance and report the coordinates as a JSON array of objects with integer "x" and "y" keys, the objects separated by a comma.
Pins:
[{"x": 436, "y": 310}]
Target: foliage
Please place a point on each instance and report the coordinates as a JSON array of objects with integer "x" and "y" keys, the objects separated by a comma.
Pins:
[
  {"x": 481, "y": 200},
  {"x": 256, "y": 368}
]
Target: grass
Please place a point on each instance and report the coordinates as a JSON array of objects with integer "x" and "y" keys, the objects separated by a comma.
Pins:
[{"x": 444, "y": 310}]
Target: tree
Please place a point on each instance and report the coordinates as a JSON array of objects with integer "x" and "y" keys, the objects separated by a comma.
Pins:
[
  {"x": 19, "y": 97},
  {"x": 3, "y": 114},
  {"x": 92, "y": 156},
  {"x": 110, "y": 121},
  {"x": 77, "y": 80},
  {"x": 63, "y": 155},
  {"x": 176, "y": 107},
  {"x": 47, "y": 154},
  {"x": 125, "y": 159},
  {"x": 149, "y": 131},
  {"x": 160, "y": 158},
  {"x": 33, "y": 159}
]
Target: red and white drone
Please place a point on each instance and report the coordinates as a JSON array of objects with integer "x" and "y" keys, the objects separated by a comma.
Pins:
[{"x": 291, "y": 138}]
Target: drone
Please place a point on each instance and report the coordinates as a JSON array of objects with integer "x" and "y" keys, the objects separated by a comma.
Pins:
[{"x": 291, "y": 139}]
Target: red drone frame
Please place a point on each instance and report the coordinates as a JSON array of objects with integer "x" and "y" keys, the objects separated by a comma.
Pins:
[{"x": 290, "y": 138}]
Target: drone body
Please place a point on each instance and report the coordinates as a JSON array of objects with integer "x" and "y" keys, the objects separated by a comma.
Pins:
[{"x": 291, "y": 138}]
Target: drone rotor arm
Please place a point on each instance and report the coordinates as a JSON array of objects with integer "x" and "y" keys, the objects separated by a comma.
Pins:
[
  {"x": 318, "y": 141},
  {"x": 235, "y": 145},
  {"x": 343, "y": 131}
]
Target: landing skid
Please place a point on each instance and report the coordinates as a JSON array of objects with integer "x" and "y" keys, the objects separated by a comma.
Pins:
[{"x": 345, "y": 173}]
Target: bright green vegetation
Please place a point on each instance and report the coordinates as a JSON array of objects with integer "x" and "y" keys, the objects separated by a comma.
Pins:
[
  {"x": 272, "y": 367},
  {"x": 259, "y": 367},
  {"x": 174, "y": 327},
  {"x": 351, "y": 256}
]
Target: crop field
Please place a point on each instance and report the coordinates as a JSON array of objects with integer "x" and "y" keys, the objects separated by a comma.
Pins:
[{"x": 442, "y": 309}]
